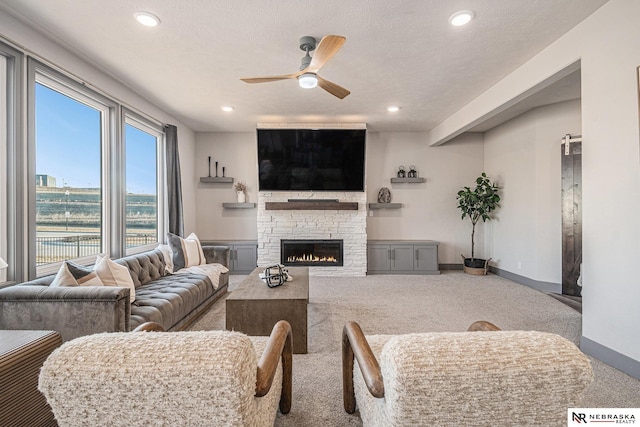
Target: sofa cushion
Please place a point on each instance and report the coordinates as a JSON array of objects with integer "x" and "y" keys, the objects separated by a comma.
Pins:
[
  {"x": 71, "y": 274},
  {"x": 168, "y": 299}
]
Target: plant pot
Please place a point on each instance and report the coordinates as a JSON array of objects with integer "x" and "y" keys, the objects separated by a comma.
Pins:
[
  {"x": 241, "y": 197},
  {"x": 476, "y": 266}
]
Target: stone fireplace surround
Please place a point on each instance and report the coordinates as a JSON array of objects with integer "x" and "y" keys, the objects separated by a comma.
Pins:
[{"x": 348, "y": 225}]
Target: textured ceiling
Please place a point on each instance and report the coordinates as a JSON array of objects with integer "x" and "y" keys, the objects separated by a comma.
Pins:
[{"x": 397, "y": 52}]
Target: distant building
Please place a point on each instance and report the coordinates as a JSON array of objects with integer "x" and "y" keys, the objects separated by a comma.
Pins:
[{"x": 45, "y": 181}]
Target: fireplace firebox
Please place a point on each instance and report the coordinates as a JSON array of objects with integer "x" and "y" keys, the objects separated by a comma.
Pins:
[{"x": 317, "y": 253}]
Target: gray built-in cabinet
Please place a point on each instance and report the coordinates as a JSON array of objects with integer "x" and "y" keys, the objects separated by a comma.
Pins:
[
  {"x": 402, "y": 257},
  {"x": 243, "y": 255}
]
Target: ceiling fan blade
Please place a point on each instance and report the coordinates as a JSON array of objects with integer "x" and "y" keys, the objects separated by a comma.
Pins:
[
  {"x": 271, "y": 78},
  {"x": 328, "y": 46},
  {"x": 332, "y": 88}
]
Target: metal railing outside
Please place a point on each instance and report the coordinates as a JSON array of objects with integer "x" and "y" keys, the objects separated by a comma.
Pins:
[{"x": 50, "y": 249}]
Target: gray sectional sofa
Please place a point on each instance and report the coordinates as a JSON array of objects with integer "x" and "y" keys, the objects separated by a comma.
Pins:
[{"x": 172, "y": 300}]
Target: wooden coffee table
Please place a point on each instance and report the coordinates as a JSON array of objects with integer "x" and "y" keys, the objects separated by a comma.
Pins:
[{"x": 254, "y": 308}]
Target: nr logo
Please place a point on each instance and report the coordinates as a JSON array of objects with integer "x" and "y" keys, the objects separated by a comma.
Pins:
[{"x": 579, "y": 418}]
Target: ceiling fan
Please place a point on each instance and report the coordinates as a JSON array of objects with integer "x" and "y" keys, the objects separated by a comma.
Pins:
[{"x": 308, "y": 75}]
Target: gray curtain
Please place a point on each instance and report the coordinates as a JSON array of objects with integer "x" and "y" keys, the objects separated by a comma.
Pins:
[{"x": 174, "y": 183}]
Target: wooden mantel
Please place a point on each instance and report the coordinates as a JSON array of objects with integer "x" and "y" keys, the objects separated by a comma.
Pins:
[{"x": 311, "y": 205}]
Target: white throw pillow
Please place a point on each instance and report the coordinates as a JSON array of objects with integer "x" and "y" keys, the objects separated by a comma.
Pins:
[
  {"x": 193, "y": 236},
  {"x": 168, "y": 258},
  {"x": 113, "y": 274},
  {"x": 185, "y": 252},
  {"x": 71, "y": 274}
]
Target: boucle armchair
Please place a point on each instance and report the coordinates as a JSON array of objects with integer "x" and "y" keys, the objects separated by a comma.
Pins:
[
  {"x": 205, "y": 378},
  {"x": 490, "y": 378}
]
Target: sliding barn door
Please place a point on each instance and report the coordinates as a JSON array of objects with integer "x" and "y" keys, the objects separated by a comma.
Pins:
[{"x": 571, "y": 217}]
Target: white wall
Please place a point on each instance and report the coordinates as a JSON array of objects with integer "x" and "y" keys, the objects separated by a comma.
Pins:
[
  {"x": 46, "y": 49},
  {"x": 429, "y": 210},
  {"x": 606, "y": 43},
  {"x": 524, "y": 157}
]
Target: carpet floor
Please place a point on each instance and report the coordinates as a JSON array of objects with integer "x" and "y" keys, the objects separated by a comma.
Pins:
[{"x": 394, "y": 304}]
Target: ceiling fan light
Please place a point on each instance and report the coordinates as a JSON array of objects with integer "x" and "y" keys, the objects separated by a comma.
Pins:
[{"x": 308, "y": 81}]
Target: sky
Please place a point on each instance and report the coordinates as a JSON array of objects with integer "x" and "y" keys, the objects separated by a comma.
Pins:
[{"x": 68, "y": 145}]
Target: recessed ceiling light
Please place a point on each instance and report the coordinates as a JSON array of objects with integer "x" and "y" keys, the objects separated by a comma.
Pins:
[
  {"x": 227, "y": 108},
  {"x": 147, "y": 19},
  {"x": 393, "y": 108},
  {"x": 461, "y": 18}
]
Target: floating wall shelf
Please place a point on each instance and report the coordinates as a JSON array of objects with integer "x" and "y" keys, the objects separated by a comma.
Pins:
[
  {"x": 238, "y": 205},
  {"x": 217, "y": 179},
  {"x": 410, "y": 180},
  {"x": 311, "y": 205},
  {"x": 385, "y": 205}
]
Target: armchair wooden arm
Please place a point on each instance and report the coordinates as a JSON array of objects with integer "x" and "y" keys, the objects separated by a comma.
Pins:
[
  {"x": 280, "y": 344},
  {"x": 354, "y": 344},
  {"x": 149, "y": 327},
  {"x": 482, "y": 325}
]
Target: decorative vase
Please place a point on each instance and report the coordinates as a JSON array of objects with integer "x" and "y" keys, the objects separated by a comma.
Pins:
[{"x": 241, "y": 197}]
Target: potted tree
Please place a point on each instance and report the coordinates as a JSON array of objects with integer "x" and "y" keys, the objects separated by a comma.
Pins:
[{"x": 477, "y": 203}]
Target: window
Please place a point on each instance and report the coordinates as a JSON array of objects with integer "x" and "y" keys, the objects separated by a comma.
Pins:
[
  {"x": 143, "y": 144},
  {"x": 96, "y": 176},
  {"x": 69, "y": 142}
]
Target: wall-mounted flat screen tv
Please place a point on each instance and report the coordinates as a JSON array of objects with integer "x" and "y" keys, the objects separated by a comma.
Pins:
[{"x": 311, "y": 159}]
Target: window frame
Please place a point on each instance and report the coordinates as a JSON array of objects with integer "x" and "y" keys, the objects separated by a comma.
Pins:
[{"x": 12, "y": 249}]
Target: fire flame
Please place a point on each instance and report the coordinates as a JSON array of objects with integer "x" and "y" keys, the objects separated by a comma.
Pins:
[{"x": 311, "y": 258}]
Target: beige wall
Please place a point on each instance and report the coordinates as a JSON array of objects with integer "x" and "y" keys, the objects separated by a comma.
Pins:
[
  {"x": 237, "y": 152},
  {"x": 523, "y": 156},
  {"x": 606, "y": 44},
  {"x": 429, "y": 210}
]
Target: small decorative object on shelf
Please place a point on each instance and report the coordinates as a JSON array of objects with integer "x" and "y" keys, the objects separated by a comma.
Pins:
[
  {"x": 223, "y": 171},
  {"x": 412, "y": 172},
  {"x": 401, "y": 172},
  {"x": 240, "y": 188},
  {"x": 209, "y": 166},
  {"x": 384, "y": 195},
  {"x": 216, "y": 169}
]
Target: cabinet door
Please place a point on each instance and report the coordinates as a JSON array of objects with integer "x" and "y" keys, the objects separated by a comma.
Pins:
[
  {"x": 426, "y": 258},
  {"x": 245, "y": 258},
  {"x": 402, "y": 257},
  {"x": 378, "y": 258}
]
